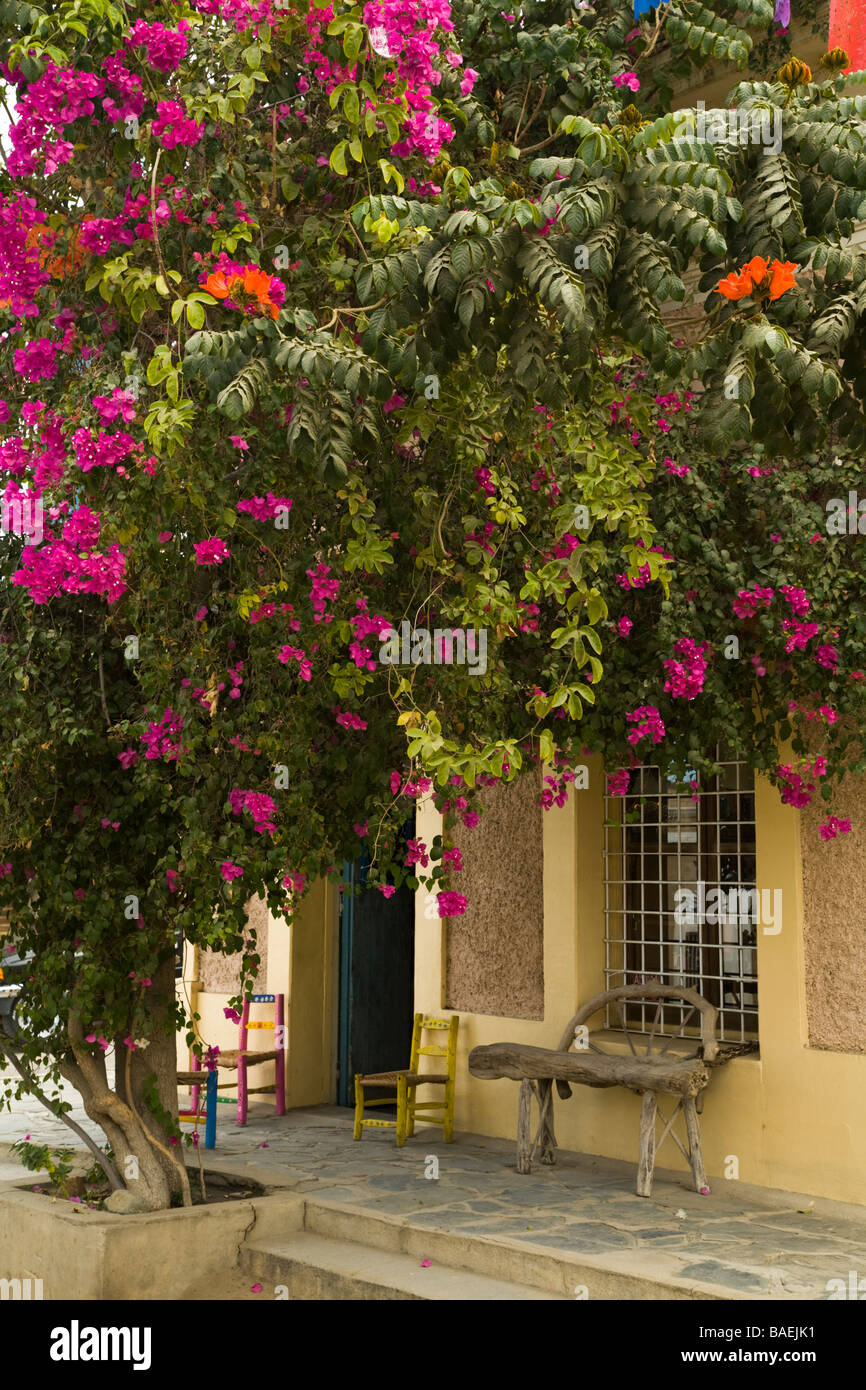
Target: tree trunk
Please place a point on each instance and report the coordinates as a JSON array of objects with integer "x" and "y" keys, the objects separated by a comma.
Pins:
[{"x": 150, "y": 1166}]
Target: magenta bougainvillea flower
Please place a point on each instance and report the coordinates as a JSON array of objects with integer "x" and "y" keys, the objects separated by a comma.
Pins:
[
  {"x": 685, "y": 679},
  {"x": 648, "y": 723},
  {"x": 165, "y": 47},
  {"x": 833, "y": 827},
  {"x": 211, "y": 552}
]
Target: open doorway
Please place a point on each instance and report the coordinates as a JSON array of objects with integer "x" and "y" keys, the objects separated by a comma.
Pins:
[{"x": 377, "y": 964}]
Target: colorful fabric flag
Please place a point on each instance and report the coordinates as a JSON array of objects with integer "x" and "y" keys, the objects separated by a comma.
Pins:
[
  {"x": 848, "y": 30},
  {"x": 643, "y": 7}
]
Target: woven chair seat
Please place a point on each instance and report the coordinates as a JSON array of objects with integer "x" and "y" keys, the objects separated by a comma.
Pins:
[
  {"x": 414, "y": 1078},
  {"x": 230, "y": 1060},
  {"x": 192, "y": 1078}
]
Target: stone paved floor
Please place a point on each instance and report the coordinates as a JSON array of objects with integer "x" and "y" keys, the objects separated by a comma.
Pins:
[{"x": 754, "y": 1240}]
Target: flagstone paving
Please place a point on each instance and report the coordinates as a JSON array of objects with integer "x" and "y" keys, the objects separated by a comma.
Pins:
[{"x": 747, "y": 1239}]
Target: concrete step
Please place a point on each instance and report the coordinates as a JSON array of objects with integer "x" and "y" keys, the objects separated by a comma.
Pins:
[
  {"x": 535, "y": 1269},
  {"x": 310, "y": 1266}
]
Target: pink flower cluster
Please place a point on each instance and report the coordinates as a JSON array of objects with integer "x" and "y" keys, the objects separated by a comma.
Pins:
[
  {"x": 245, "y": 14},
  {"x": 105, "y": 451},
  {"x": 56, "y": 568},
  {"x": 36, "y": 360},
  {"x": 21, "y": 277},
  {"x": 418, "y": 786},
  {"x": 162, "y": 739},
  {"x": 647, "y": 721},
  {"x": 451, "y": 904},
  {"x": 639, "y": 582},
  {"x": 555, "y": 791},
  {"x": 264, "y": 508},
  {"x": 748, "y": 601},
  {"x": 211, "y": 552},
  {"x": 128, "y": 85},
  {"x": 365, "y": 624},
  {"x": 686, "y": 678},
  {"x": 173, "y": 127},
  {"x": 347, "y": 720},
  {"x": 288, "y": 653},
  {"x": 81, "y": 528},
  {"x": 56, "y": 99},
  {"x": 799, "y": 634},
  {"x": 617, "y": 782},
  {"x": 120, "y": 403},
  {"x": 797, "y": 599},
  {"x": 833, "y": 827},
  {"x": 322, "y": 592},
  {"x": 416, "y": 853},
  {"x": 98, "y": 234},
  {"x": 261, "y": 807},
  {"x": 165, "y": 47},
  {"x": 403, "y": 31},
  {"x": 796, "y": 791},
  {"x": 827, "y": 656}
]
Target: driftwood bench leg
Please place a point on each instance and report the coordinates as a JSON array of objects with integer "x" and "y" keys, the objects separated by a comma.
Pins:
[
  {"x": 646, "y": 1145},
  {"x": 546, "y": 1136},
  {"x": 693, "y": 1129},
  {"x": 524, "y": 1120},
  {"x": 544, "y": 1142}
]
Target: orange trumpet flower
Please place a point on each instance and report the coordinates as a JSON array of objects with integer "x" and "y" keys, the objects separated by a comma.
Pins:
[
  {"x": 759, "y": 279},
  {"x": 220, "y": 285}
]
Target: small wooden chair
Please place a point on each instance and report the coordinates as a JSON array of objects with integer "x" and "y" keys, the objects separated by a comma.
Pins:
[
  {"x": 407, "y": 1083},
  {"x": 192, "y": 1079},
  {"x": 243, "y": 1057}
]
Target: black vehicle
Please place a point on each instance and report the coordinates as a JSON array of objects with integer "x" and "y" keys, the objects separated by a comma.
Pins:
[{"x": 12, "y": 967}]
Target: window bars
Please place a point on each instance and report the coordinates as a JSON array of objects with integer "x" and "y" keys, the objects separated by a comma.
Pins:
[{"x": 680, "y": 900}]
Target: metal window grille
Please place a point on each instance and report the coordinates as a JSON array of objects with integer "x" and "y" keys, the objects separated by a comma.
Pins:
[{"x": 668, "y": 845}]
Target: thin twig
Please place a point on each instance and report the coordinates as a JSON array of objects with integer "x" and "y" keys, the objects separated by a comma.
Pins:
[
  {"x": 102, "y": 692},
  {"x": 274, "y": 154},
  {"x": 661, "y": 16},
  {"x": 537, "y": 107},
  {"x": 542, "y": 144},
  {"x": 351, "y": 226},
  {"x": 33, "y": 1090},
  {"x": 522, "y": 109},
  {"x": 156, "y": 244}
]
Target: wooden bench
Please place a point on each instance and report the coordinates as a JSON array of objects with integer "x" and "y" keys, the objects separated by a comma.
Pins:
[{"x": 650, "y": 1073}]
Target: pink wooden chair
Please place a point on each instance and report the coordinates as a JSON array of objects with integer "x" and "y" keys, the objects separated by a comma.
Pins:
[{"x": 243, "y": 1057}]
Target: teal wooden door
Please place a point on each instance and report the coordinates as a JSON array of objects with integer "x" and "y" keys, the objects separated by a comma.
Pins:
[{"x": 377, "y": 963}]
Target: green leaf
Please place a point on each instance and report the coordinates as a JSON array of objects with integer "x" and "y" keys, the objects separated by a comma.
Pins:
[
  {"x": 351, "y": 106},
  {"x": 195, "y": 314},
  {"x": 337, "y": 158},
  {"x": 353, "y": 39}
]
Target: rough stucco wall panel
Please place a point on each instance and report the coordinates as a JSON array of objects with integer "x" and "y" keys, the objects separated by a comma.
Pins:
[
  {"x": 221, "y": 974},
  {"x": 834, "y": 925},
  {"x": 495, "y": 952}
]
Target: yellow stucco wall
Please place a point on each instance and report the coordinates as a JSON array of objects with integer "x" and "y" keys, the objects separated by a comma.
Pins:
[
  {"x": 301, "y": 964},
  {"x": 795, "y": 1118}
]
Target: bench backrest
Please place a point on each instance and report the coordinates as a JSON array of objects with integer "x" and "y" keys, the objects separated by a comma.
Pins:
[{"x": 650, "y": 991}]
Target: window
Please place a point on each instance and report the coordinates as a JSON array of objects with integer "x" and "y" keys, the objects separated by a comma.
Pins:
[{"x": 680, "y": 900}]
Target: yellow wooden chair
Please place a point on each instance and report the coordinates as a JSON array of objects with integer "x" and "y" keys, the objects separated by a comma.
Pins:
[{"x": 408, "y": 1081}]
